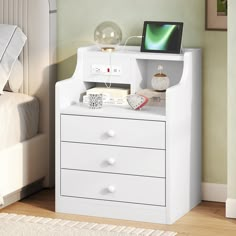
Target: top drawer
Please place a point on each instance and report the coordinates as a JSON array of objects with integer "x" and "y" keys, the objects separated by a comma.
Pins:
[{"x": 112, "y": 131}]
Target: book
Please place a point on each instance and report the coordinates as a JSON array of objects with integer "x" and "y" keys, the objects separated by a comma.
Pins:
[
  {"x": 155, "y": 98},
  {"x": 112, "y": 92},
  {"x": 107, "y": 100}
]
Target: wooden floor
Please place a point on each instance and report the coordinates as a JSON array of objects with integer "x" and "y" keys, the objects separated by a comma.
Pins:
[{"x": 205, "y": 220}]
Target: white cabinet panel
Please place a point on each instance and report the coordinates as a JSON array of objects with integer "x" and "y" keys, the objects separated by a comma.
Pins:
[{"x": 126, "y": 164}]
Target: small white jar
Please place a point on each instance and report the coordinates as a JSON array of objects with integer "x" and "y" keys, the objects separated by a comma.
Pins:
[{"x": 160, "y": 81}]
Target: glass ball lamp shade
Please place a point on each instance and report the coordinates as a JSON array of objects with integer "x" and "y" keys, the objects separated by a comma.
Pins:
[{"x": 107, "y": 36}]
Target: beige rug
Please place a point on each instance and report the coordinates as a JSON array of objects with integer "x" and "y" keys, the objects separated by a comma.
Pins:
[{"x": 21, "y": 225}]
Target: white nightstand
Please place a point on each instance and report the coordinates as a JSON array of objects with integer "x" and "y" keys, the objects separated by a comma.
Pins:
[{"x": 119, "y": 163}]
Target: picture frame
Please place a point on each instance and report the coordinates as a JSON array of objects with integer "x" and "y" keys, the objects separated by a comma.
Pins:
[
  {"x": 162, "y": 37},
  {"x": 216, "y": 15}
]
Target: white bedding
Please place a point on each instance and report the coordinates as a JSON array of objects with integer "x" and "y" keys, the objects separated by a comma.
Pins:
[
  {"x": 12, "y": 40},
  {"x": 19, "y": 118}
]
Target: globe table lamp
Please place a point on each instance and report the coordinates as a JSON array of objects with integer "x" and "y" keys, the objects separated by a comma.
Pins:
[{"x": 107, "y": 36}]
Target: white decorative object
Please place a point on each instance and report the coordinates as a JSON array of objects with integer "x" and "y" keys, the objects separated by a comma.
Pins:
[
  {"x": 157, "y": 151},
  {"x": 160, "y": 81},
  {"x": 137, "y": 101}
]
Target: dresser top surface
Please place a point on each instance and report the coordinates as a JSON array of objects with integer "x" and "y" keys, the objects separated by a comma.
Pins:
[
  {"x": 125, "y": 112},
  {"x": 134, "y": 52}
]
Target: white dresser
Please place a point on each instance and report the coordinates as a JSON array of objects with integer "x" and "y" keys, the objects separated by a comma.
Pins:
[{"x": 119, "y": 163}]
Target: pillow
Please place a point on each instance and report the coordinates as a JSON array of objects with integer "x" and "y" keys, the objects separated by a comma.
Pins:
[
  {"x": 12, "y": 41},
  {"x": 15, "y": 80}
]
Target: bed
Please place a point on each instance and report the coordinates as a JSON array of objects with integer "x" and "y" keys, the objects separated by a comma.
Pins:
[
  {"x": 20, "y": 115},
  {"x": 26, "y": 116}
]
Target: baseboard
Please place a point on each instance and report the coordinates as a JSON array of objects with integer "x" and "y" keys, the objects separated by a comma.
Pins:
[
  {"x": 231, "y": 208},
  {"x": 214, "y": 192},
  {"x": 22, "y": 193}
]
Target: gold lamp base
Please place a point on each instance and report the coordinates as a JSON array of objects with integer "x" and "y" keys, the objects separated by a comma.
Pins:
[{"x": 108, "y": 49}]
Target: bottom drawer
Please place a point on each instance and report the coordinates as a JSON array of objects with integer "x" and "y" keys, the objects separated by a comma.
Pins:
[{"x": 113, "y": 187}]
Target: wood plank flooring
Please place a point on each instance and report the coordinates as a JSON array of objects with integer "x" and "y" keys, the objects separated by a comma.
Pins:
[{"x": 207, "y": 219}]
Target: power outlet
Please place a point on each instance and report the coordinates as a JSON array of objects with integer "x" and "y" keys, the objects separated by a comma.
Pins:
[
  {"x": 100, "y": 69},
  {"x": 116, "y": 70},
  {"x": 106, "y": 70}
]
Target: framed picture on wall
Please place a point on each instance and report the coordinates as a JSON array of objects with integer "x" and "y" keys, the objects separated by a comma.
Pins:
[{"x": 216, "y": 14}]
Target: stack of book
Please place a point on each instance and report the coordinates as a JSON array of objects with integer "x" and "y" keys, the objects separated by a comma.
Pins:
[
  {"x": 111, "y": 96},
  {"x": 155, "y": 98}
]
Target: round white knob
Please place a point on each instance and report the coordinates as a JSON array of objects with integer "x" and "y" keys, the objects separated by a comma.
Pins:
[
  {"x": 111, "y": 189},
  {"x": 111, "y": 161},
  {"x": 111, "y": 133}
]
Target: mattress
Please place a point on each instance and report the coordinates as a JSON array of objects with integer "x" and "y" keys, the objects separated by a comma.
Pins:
[{"x": 19, "y": 118}]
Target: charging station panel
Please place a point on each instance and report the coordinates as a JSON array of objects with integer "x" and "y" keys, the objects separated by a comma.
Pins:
[
  {"x": 106, "y": 67},
  {"x": 98, "y": 69}
]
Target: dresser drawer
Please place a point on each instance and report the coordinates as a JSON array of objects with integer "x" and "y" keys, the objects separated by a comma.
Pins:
[
  {"x": 112, "y": 131},
  {"x": 125, "y": 160},
  {"x": 113, "y": 187}
]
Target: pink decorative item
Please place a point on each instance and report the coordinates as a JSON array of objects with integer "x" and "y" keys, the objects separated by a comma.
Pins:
[{"x": 137, "y": 101}]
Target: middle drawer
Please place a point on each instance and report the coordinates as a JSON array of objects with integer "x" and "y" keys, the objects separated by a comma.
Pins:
[{"x": 111, "y": 159}]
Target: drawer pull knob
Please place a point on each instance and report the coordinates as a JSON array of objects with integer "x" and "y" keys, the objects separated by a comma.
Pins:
[
  {"x": 111, "y": 133},
  {"x": 111, "y": 189},
  {"x": 111, "y": 161}
]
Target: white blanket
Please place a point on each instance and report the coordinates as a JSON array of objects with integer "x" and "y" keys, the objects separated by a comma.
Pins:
[
  {"x": 12, "y": 40},
  {"x": 19, "y": 118}
]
